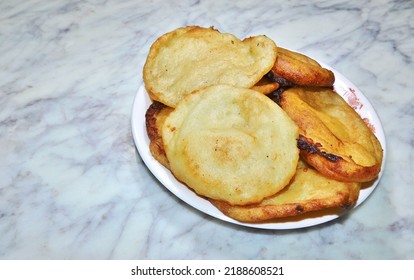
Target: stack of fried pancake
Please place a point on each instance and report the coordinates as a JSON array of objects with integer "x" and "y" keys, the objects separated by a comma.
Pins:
[{"x": 215, "y": 125}]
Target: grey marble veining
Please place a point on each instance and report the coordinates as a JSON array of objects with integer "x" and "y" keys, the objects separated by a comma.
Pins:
[{"x": 72, "y": 185}]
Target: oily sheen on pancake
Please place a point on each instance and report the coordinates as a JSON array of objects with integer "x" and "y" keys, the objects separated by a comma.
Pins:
[
  {"x": 333, "y": 137},
  {"x": 191, "y": 58},
  {"x": 231, "y": 144},
  {"x": 308, "y": 191}
]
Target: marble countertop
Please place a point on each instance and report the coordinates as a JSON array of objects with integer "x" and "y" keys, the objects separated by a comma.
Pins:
[{"x": 72, "y": 184}]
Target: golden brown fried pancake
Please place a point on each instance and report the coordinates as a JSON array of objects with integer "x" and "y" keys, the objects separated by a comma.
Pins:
[
  {"x": 154, "y": 119},
  {"x": 308, "y": 191},
  {"x": 300, "y": 69},
  {"x": 334, "y": 139},
  {"x": 191, "y": 58},
  {"x": 231, "y": 144}
]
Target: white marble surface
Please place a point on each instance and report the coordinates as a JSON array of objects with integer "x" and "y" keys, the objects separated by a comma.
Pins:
[{"x": 72, "y": 185}]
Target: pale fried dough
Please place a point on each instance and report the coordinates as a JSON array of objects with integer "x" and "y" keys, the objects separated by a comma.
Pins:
[
  {"x": 191, "y": 58},
  {"x": 299, "y": 69},
  {"x": 231, "y": 144},
  {"x": 308, "y": 191},
  {"x": 334, "y": 139}
]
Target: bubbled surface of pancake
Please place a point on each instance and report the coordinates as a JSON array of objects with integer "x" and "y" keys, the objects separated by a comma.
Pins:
[
  {"x": 191, "y": 58},
  {"x": 231, "y": 144}
]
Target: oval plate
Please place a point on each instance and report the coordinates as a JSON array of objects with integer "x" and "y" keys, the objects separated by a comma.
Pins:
[{"x": 351, "y": 94}]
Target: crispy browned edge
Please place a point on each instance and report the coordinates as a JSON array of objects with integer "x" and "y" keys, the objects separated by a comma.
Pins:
[
  {"x": 333, "y": 166},
  {"x": 154, "y": 118}
]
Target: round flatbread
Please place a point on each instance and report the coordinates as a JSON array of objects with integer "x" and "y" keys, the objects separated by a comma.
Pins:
[
  {"x": 231, "y": 144},
  {"x": 191, "y": 58}
]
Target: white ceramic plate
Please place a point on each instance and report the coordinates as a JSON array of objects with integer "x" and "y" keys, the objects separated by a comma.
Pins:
[{"x": 343, "y": 86}]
